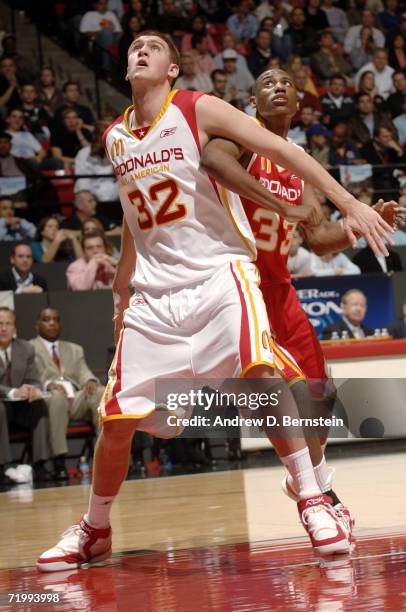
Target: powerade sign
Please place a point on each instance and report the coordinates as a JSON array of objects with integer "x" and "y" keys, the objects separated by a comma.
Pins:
[{"x": 321, "y": 298}]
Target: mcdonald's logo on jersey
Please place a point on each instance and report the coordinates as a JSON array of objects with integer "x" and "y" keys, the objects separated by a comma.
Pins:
[{"x": 117, "y": 148}]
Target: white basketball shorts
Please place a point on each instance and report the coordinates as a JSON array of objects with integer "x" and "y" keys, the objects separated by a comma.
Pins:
[{"x": 217, "y": 328}]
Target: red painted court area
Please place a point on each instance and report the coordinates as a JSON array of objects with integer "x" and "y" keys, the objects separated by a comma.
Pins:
[{"x": 259, "y": 577}]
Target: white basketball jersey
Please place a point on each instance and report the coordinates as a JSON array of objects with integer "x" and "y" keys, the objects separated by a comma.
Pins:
[{"x": 185, "y": 226}]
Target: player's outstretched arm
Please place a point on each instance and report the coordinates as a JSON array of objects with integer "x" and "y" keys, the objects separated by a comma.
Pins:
[
  {"x": 220, "y": 160},
  {"x": 124, "y": 271},
  {"x": 217, "y": 118},
  {"x": 330, "y": 236}
]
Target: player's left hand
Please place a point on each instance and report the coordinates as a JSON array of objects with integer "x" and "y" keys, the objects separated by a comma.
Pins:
[
  {"x": 391, "y": 212},
  {"x": 361, "y": 219}
]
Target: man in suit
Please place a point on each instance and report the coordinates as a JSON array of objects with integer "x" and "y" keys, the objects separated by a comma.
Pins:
[
  {"x": 75, "y": 392},
  {"x": 21, "y": 402},
  {"x": 354, "y": 305},
  {"x": 368, "y": 262},
  {"x": 20, "y": 278},
  {"x": 397, "y": 329}
]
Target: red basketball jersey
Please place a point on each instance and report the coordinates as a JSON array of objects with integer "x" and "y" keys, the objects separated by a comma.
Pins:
[{"x": 273, "y": 234}]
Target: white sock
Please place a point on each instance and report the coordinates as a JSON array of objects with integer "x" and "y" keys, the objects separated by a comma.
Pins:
[
  {"x": 300, "y": 467},
  {"x": 99, "y": 510},
  {"x": 324, "y": 475}
]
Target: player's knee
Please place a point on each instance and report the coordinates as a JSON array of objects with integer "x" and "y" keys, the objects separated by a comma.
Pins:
[{"x": 262, "y": 371}]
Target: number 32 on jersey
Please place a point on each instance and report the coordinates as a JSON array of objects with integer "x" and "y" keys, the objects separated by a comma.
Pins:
[
  {"x": 165, "y": 194},
  {"x": 268, "y": 235}
]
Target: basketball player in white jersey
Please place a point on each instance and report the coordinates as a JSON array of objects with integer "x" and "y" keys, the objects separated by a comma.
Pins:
[{"x": 188, "y": 250}]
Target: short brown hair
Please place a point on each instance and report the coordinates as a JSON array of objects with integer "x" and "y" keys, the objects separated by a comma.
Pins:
[
  {"x": 92, "y": 235},
  {"x": 173, "y": 51}
]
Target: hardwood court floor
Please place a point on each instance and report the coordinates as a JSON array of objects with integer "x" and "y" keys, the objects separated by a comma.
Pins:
[{"x": 220, "y": 541}]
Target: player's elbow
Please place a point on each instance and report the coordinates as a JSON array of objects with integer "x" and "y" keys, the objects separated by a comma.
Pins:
[
  {"x": 209, "y": 160},
  {"x": 319, "y": 248}
]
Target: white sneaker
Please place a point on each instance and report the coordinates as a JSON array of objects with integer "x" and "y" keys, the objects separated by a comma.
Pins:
[
  {"x": 327, "y": 534},
  {"x": 342, "y": 512},
  {"x": 79, "y": 544}
]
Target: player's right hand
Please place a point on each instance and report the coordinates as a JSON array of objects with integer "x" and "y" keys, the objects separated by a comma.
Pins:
[{"x": 305, "y": 213}]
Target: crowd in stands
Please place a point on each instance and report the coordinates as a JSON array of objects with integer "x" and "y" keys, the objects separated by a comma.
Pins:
[{"x": 348, "y": 61}]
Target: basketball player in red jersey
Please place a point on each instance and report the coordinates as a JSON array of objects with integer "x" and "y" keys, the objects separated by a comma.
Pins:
[
  {"x": 197, "y": 308},
  {"x": 276, "y": 103}
]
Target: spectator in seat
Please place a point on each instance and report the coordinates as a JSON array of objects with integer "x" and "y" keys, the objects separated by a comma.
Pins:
[
  {"x": 327, "y": 62},
  {"x": 281, "y": 43},
  {"x": 352, "y": 38},
  {"x": 19, "y": 380},
  {"x": 315, "y": 16},
  {"x": 241, "y": 80},
  {"x": 9, "y": 84},
  {"x": 299, "y": 257},
  {"x": 367, "y": 85},
  {"x": 102, "y": 26},
  {"x": 49, "y": 96},
  {"x": 294, "y": 65},
  {"x": 23, "y": 143},
  {"x": 354, "y": 306},
  {"x": 261, "y": 53},
  {"x": 94, "y": 226},
  {"x": 400, "y": 125},
  {"x": 303, "y": 37},
  {"x": 19, "y": 277},
  {"x": 36, "y": 119},
  {"x": 397, "y": 328},
  {"x": 191, "y": 77},
  {"x": 337, "y": 19},
  {"x": 55, "y": 244},
  {"x": 24, "y": 66},
  {"x": 395, "y": 101},
  {"x": 219, "y": 80},
  {"x": 363, "y": 53},
  {"x": 71, "y": 95},
  {"x": 229, "y": 42},
  {"x": 332, "y": 264},
  {"x": 243, "y": 24},
  {"x": 92, "y": 159},
  {"x": 382, "y": 71},
  {"x": 85, "y": 205},
  {"x": 200, "y": 51},
  {"x": 384, "y": 149},
  {"x": 318, "y": 137},
  {"x": 298, "y": 134},
  {"x": 198, "y": 26},
  {"x": 337, "y": 106},
  {"x": 12, "y": 227},
  {"x": 75, "y": 392},
  {"x": 95, "y": 270},
  {"x": 365, "y": 119},
  {"x": 343, "y": 152},
  {"x": 305, "y": 98},
  {"x": 369, "y": 263},
  {"x": 389, "y": 18},
  {"x": 136, "y": 9},
  {"x": 169, "y": 21},
  {"x": 397, "y": 53},
  {"x": 131, "y": 28},
  {"x": 69, "y": 139}
]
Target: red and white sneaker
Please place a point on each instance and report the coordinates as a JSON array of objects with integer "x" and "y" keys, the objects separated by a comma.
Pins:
[
  {"x": 327, "y": 533},
  {"x": 79, "y": 544},
  {"x": 342, "y": 512}
]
